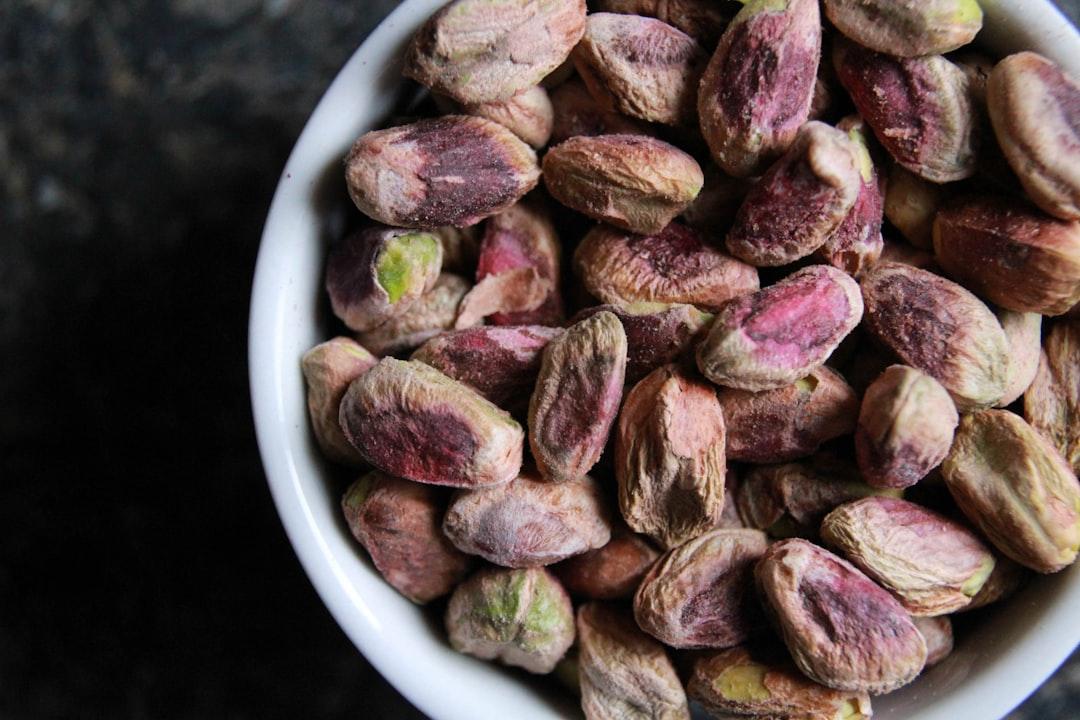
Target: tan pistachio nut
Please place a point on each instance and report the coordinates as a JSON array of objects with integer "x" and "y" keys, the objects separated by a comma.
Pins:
[
  {"x": 432, "y": 314},
  {"x": 932, "y": 565},
  {"x": 738, "y": 682},
  {"x": 452, "y": 170},
  {"x": 329, "y": 368},
  {"x": 1033, "y": 106},
  {"x": 934, "y": 325},
  {"x": 612, "y": 572},
  {"x": 920, "y": 108},
  {"x": 1010, "y": 253},
  {"x": 911, "y": 204},
  {"x": 907, "y": 28},
  {"x": 460, "y": 248},
  {"x": 374, "y": 274},
  {"x": 633, "y": 182},
  {"x": 842, "y": 630},
  {"x": 521, "y": 618},
  {"x": 641, "y": 67},
  {"x": 1024, "y": 333},
  {"x": 669, "y": 457},
  {"x": 479, "y": 51},
  {"x": 905, "y": 427},
  {"x": 938, "y": 634},
  {"x": 411, "y": 421},
  {"x": 771, "y": 338},
  {"x": 529, "y": 522},
  {"x": 790, "y": 422},
  {"x": 1052, "y": 401},
  {"x": 700, "y": 594},
  {"x": 674, "y": 265},
  {"x": 624, "y": 673},
  {"x": 398, "y": 523},
  {"x": 528, "y": 114},
  {"x": 1016, "y": 489},
  {"x": 577, "y": 396},
  {"x": 578, "y": 113},
  {"x": 801, "y": 201},
  {"x": 757, "y": 89},
  {"x": 1006, "y": 578}
]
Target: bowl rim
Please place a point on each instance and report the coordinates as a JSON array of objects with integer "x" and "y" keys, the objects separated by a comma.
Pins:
[{"x": 281, "y": 446}]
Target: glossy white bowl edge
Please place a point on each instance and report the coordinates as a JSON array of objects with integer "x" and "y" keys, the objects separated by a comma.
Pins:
[{"x": 996, "y": 667}]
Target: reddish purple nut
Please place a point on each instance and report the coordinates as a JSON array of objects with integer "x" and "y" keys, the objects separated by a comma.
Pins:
[
  {"x": 411, "y": 421},
  {"x": 399, "y": 523},
  {"x": 778, "y": 335},
  {"x": 612, "y": 572},
  {"x": 500, "y": 363},
  {"x": 801, "y": 201}
]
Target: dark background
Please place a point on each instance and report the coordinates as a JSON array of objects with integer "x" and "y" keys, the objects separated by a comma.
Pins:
[{"x": 143, "y": 570}]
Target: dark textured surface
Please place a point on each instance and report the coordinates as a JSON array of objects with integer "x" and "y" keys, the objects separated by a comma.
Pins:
[{"x": 143, "y": 571}]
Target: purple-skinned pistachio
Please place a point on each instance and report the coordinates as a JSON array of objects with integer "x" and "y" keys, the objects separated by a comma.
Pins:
[{"x": 702, "y": 20}]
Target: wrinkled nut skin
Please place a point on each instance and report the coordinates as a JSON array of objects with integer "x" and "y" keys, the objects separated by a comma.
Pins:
[
  {"x": 453, "y": 170},
  {"x": 656, "y": 333},
  {"x": 578, "y": 113},
  {"x": 633, "y": 182},
  {"x": 1010, "y": 253},
  {"x": 700, "y": 594},
  {"x": 920, "y": 109},
  {"x": 674, "y": 265},
  {"x": 773, "y": 337},
  {"x": 669, "y": 457},
  {"x": 702, "y": 20},
  {"x": 801, "y": 201},
  {"x": 641, "y": 67},
  {"x": 907, "y": 28},
  {"x": 431, "y": 314},
  {"x": 936, "y": 326},
  {"x": 715, "y": 207},
  {"x": 938, "y": 634},
  {"x": 411, "y": 421},
  {"x": 791, "y": 422},
  {"x": 529, "y": 115},
  {"x": 857, "y": 243},
  {"x": 500, "y": 363},
  {"x": 1033, "y": 108},
  {"x": 1016, "y": 489},
  {"x": 519, "y": 292},
  {"x": 911, "y": 204},
  {"x": 931, "y": 564},
  {"x": 757, "y": 89},
  {"x": 736, "y": 683},
  {"x": 790, "y": 500},
  {"x": 528, "y": 522},
  {"x": 521, "y": 618},
  {"x": 1052, "y": 401},
  {"x": 842, "y": 630},
  {"x": 329, "y": 368},
  {"x": 612, "y": 572},
  {"x": 577, "y": 396},
  {"x": 1024, "y": 333},
  {"x": 624, "y": 673},
  {"x": 398, "y": 523},
  {"x": 479, "y": 51},
  {"x": 520, "y": 237},
  {"x": 376, "y": 273},
  {"x": 905, "y": 428},
  {"x": 1004, "y": 581}
]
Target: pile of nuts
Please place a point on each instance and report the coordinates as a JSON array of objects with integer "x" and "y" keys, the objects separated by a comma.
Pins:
[{"x": 751, "y": 445}]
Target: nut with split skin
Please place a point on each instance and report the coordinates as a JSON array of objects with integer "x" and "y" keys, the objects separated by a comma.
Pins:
[
  {"x": 739, "y": 682},
  {"x": 411, "y": 421},
  {"x": 931, "y": 564},
  {"x": 842, "y": 630},
  {"x": 773, "y": 337},
  {"x": 398, "y": 523},
  {"x": 376, "y": 273},
  {"x": 452, "y": 170},
  {"x": 521, "y": 618},
  {"x": 329, "y": 368},
  {"x": 633, "y": 182},
  {"x": 700, "y": 594},
  {"x": 624, "y": 673}
]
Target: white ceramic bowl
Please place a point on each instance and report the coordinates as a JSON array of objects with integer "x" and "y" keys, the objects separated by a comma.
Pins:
[{"x": 1008, "y": 655}]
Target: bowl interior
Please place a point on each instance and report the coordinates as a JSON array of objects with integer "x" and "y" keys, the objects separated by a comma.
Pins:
[{"x": 1000, "y": 657}]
